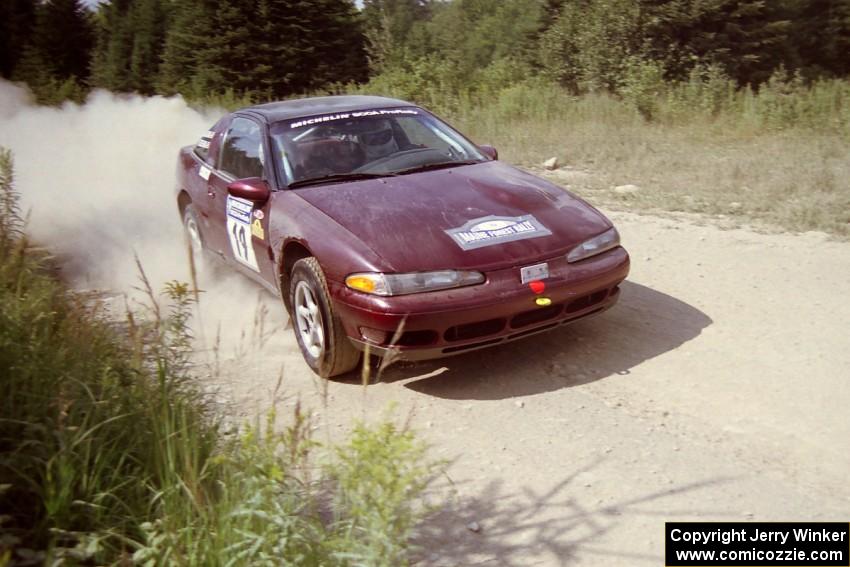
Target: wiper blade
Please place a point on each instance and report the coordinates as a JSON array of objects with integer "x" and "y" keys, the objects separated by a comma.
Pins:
[
  {"x": 337, "y": 177},
  {"x": 437, "y": 165}
]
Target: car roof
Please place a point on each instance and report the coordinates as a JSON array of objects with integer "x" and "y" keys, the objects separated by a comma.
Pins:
[{"x": 297, "y": 108}]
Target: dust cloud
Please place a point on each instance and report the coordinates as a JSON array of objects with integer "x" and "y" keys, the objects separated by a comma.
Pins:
[{"x": 97, "y": 182}]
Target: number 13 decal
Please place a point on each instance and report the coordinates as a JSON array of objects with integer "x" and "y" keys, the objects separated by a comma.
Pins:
[{"x": 239, "y": 231}]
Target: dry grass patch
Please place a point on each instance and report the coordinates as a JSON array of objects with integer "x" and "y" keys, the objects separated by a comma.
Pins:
[{"x": 796, "y": 180}]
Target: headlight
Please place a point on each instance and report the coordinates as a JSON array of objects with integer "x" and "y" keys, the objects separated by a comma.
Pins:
[
  {"x": 403, "y": 284},
  {"x": 596, "y": 245}
]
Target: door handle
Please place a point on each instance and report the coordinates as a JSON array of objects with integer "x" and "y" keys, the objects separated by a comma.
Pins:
[{"x": 210, "y": 192}]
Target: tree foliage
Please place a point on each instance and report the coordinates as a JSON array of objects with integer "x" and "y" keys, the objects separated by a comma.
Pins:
[
  {"x": 747, "y": 38},
  {"x": 266, "y": 49},
  {"x": 820, "y": 36},
  {"x": 54, "y": 55},
  {"x": 589, "y": 45},
  {"x": 16, "y": 21},
  {"x": 130, "y": 40}
]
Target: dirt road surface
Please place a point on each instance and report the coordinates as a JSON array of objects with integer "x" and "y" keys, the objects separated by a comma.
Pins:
[{"x": 717, "y": 389}]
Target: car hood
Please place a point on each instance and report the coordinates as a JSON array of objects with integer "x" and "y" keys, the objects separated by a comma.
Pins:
[{"x": 414, "y": 222}]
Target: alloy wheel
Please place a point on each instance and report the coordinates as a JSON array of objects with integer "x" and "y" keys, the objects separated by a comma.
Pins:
[{"x": 308, "y": 320}]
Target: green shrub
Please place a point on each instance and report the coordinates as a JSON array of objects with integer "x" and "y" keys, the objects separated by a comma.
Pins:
[{"x": 109, "y": 451}]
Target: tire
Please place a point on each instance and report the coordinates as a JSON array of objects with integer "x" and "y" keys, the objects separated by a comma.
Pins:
[
  {"x": 194, "y": 238},
  {"x": 318, "y": 329}
]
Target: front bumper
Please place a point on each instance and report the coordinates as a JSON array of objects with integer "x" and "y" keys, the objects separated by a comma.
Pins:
[{"x": 438, "y": 324}]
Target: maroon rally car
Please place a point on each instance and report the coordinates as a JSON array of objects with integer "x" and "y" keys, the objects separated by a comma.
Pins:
[{"x": 380, "y": 225}]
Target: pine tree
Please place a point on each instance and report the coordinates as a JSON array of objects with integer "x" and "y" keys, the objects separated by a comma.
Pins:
[
  {"x": 55, "y": 60},
  {"x": 746, "y": 37},
  {"x": 191, "y": 29},
  {"x": 150, "y": 21},
  {"x": 63, "y": 37},
  {"x": 113, "y": 47},
  {"x": 267, "y": 48},
  {"x": 17, "y": 18},
  {"x": 228, "y": 58},
  {"x": 820, "y": 36},
  {"x": 335, "y": 48},
  {"x": 130, "y": 42}
]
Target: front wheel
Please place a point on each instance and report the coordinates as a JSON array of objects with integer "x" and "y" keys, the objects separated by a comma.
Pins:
[{"x": 318, "y": 330}]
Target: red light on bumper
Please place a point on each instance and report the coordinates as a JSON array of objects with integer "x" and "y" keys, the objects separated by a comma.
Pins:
[{"x": 537, "y": 286}]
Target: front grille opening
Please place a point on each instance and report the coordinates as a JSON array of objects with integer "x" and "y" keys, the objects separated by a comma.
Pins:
[
  {"x": 587, "y": 301},
  {"x": 536, "y": 316},
  {"x": 532, "y": 331},
  {"x": 582, "y": 316},
  {"x": 450, "y": 350},
  {"x": 417, "y": 338},
  {"x": 474, "y": 330}
]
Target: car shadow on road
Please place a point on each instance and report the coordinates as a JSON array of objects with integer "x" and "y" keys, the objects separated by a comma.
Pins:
[
  {"x": 644, "y": 324},
  {"x": 496, "y": 525}
]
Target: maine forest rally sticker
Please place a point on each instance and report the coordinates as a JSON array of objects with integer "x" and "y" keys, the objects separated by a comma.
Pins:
[
  {"x": 487, "y": 231},
  {"x": 239, "y": 231}
]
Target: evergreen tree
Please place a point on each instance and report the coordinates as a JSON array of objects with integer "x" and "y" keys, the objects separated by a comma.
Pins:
[
  {"x": 150, "y": 21},
  {"x": 55, "y": 60},
  {"x": 268, "y": 48},
  {"x": 229, "y": 57},
  {"x": 16, "y": 21},
  {"x": 63, "y": 38},
  {"x": 746, "y": 37},
  {"x": 130, "y": 41},
  {"x": 191, "y": 29},
  {"x": 337, "y": 51},
  {"x": 114, "y": 46},
  {"x": 820, "y": 36}
]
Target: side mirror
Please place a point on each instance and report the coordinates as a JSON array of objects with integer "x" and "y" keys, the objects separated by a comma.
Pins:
[
  {"x": 489, "y": 151},
  {"x": 252, "y": 189}
]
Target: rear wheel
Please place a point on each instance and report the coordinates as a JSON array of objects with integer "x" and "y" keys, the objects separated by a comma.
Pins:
[
  {"x": 318, "y": 330},
  {"x": 194, "y": 239}
]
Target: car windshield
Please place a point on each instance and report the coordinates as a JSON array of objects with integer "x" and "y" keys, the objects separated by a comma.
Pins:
[{"x": 369, "y": 143}]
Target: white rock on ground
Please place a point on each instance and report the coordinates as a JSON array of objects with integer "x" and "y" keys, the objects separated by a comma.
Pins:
[
  {"x": 626, "y": 189},
  {"x": 551, "y": 163}
]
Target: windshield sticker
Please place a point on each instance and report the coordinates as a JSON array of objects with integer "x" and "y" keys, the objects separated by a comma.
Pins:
[
  {"x": 204, "y": 173},
  {"x": 347, "y": 115},
  {"x": 488, "y": 231}
]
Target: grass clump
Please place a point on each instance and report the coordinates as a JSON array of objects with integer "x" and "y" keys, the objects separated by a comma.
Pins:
[{"x": 109, "y": 452}]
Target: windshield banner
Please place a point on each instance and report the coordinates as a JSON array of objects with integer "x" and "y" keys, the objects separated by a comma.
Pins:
[{"x": 346, "y": 115}]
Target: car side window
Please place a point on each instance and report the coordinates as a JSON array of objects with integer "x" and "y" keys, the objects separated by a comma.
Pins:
[{"x": 242, "y": 150}]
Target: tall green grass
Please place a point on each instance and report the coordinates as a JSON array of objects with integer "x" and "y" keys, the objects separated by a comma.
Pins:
[{"x": 110, "y": 453}]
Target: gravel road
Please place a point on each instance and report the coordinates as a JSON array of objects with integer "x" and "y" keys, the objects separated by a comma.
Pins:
[{"x": 717, "y": 389}]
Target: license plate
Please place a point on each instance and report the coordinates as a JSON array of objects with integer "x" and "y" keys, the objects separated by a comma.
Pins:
[{"x": 535, "y": 272}]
